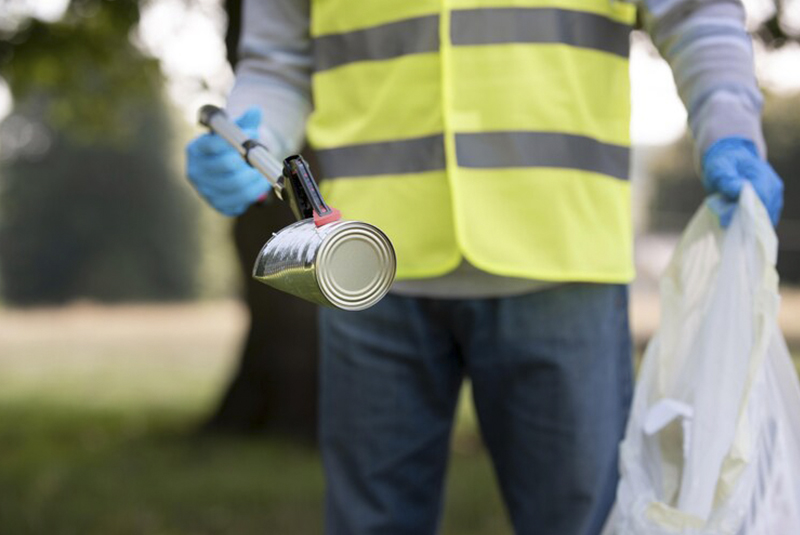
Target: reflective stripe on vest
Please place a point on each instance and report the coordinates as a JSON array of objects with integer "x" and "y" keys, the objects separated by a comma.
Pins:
[
  {"x": 481, "y": 130},
  {"x": 482, "y": 150},
  {"x": 472, "y": 27}
]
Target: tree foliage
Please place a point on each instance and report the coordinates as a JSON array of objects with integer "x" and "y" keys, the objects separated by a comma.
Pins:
[
  {"x": 776, "y": 31},
  {"x": 94, "y": 79},
  {"x": 95, "y": 210}
]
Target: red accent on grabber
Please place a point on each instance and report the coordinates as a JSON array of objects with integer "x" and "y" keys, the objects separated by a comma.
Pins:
[{"x": 320, "y": 220}]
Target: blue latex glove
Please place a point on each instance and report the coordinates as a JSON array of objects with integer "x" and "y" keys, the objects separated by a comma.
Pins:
[
  {"x": 727, "y": 165},
  {"x": 220, "y": 174}
]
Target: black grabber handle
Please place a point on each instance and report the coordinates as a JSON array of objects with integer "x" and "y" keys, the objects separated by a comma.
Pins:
[
  {"x": 307, "y": 200},
  {"x": 292, "y": 181}
]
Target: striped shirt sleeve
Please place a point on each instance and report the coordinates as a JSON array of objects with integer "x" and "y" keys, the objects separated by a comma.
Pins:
[
  {"x": 704, "y": 41},
  {"x": 711, "y": 55},
  {"x": 274, "y": 71}
]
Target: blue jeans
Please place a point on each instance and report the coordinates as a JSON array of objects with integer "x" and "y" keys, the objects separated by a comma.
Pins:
[{"x": 551, "y": 381}]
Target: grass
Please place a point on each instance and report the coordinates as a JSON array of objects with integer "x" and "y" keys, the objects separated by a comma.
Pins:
[
  {"x": 87, "y": 471},
  {"x": 96, "y": 437},
  {"x": 93, "y": 473}
]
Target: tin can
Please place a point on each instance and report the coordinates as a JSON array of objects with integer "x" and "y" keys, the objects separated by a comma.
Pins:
[{"x": 345, "y": 264}]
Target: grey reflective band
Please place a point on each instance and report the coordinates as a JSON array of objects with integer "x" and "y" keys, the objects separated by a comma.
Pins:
[
  {"x": 539, "y": 25},
  {"x": 488, "y": 150},
  {"x": 410, "y": 36},
  {"x": 415, "y": 155},
  {"x": 487, "y": 26},
  {"x": 541, "y": 149}
]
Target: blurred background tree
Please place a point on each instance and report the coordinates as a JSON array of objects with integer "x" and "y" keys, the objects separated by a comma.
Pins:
[
  {"x": 91, "y": 206},
  {"x": 780, "y": 28},
  {"x": 274, "y": 387}
]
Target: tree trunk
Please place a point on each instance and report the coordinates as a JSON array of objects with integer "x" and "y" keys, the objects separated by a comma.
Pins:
[{"x": 275, "y": 387}]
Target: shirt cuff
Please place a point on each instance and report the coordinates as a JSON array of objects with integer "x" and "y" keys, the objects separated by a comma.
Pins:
[
  {"x": 726, "y": 114},
  {"x": 284, "y": 114}
]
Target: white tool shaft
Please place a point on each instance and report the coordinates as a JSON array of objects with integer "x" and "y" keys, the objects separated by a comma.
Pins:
[{"x": 256, "y": 155}]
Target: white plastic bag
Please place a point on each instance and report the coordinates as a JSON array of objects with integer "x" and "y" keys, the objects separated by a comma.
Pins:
[{"x": 713, "y": 442}]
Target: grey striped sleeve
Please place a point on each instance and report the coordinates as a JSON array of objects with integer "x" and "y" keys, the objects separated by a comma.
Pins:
[
  {"x": 274, "y": 71},
  {"x": 711, "y": 56}
]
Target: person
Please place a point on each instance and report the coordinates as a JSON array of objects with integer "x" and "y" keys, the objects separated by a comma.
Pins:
[{"x": 490, "y": 141}]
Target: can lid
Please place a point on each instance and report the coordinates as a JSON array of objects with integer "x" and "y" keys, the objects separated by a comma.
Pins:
[{"x": 356, "y": 265}]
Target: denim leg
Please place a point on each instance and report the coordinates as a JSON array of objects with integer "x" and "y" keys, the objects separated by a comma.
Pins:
[
  {"x": 552, "y": 381},
  {"x": 389, "y": 383}
]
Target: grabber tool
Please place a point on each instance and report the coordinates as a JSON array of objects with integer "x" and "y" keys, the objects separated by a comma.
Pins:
[{"x": 322, "y": 257}]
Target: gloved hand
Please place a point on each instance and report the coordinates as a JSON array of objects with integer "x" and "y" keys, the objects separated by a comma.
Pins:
[
  {"x": 220, "y": 174},
  {"x": 727, "y": 165}
]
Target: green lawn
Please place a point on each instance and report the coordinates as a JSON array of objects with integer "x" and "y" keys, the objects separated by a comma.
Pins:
[
  {"x": 96, "y": 436},
  {"x": 87, "y": 471}
]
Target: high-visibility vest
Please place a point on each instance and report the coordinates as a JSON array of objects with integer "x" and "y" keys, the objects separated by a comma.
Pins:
[{"x": 491, "y": 130}]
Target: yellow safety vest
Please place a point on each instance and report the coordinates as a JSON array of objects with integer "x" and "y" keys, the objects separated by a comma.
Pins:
[{"x": 494, "y": 130}]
